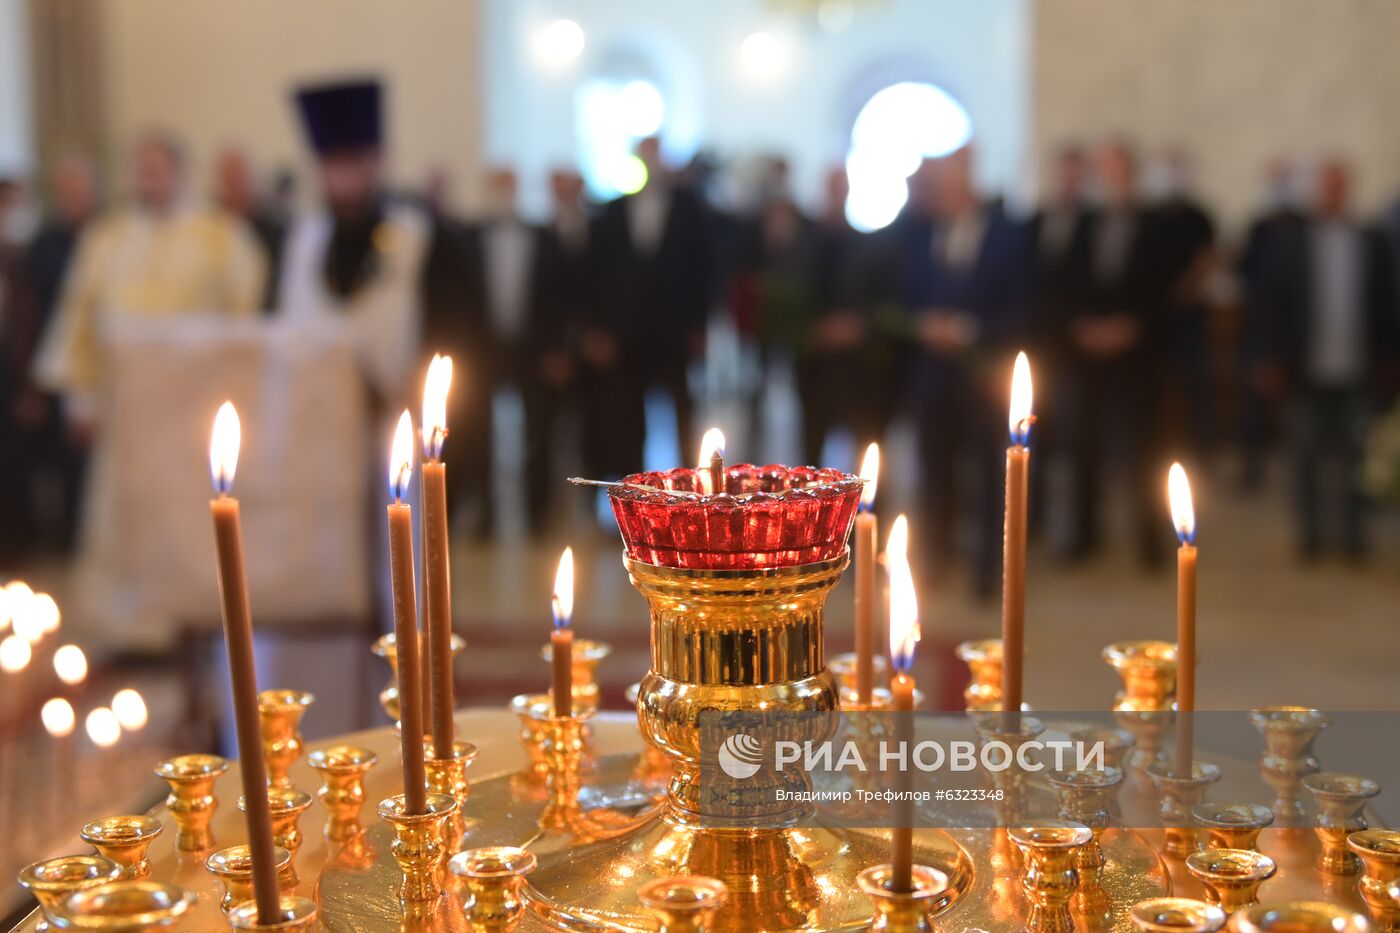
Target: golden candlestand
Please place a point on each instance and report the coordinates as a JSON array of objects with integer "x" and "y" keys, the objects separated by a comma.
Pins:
[
  {"x": 983, "y": 659},
  {"x": 297, "y": 913},
  {"x": 1379, "y": 851},
  {"x": 1177, "y": 915},
  {"x": 1298, "y": 917},
  {"x": 281, "y": 712},
  {"x": 192, "y": 802},
  {"x": 53, "y": 880},
  {"x": 1050, "y": 882},
  {"x": 726, "y": 640},
  {"x": 343, "y": 769},
  {"x": 386, "y": 649},
  {"x": 124, "y": 840},
  {"x": 494, "y": 878},
  {"x": 1289, "y": 733},
  {"x": 1340, "y": 801},
  {"x": 683, "y": 905},
  {"x": 903, "y": 911},
  {"x": 234, "y": 869},
  {"x": 124, "y": 907},
  {"x": 1144, "y": 706},
  {"x": 587, "y": 655},
  {"x": 418, "y": 845}
]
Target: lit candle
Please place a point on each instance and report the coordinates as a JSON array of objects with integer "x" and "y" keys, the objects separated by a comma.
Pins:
[
  {"x": 1013, "y": 593},
  {"x": 70, "y": 664},
  {"x": 406, "y": 618},
  {"x": 904, "y": 635},
  {"x": 561, "y": 640},
  {"x": 238, "y": 635},
  {"x": 437, "y": 562},
  {"x": 130, "y": 709},
  {"x": 866, "y": 536},
  {"x": 712, "y": 453},
  {"x": 1184, "y": 518}
]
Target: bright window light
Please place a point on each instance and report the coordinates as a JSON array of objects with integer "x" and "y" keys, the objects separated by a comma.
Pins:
[
  {"x": 642, "y": 108},
  {"x": 897, "y": 128},
  {"x": 612, "y": 115},
  {"x": 762, "y": 56},
  {"x": 560, "y": 42}
]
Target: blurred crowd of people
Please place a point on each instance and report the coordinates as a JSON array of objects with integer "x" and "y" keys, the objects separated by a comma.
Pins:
[{"x": 1152, "y": 340}]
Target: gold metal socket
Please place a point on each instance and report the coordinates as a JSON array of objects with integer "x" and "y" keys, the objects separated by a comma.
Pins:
[
  {"x": 296, "y": 913},
  {"x": 1178, "y": 793},
  {"x": 52, "y": 880},
  {"x": 418, "y": 843},
  {"x": 1231, "y": 876},
  {"x": 1086, "y": 797},
  {"x": 1379, "y": 851},
  {"x": 125, "y": 840},
  {"x": 124, "y": 907},
  {"x": 385, "y": 648},
  {"x": 1144, "y": 706},
  {"x": 587, "y": 654},
  {"x": 280, "y": 712},
  {"x": 449, "y": 776},
  {"x": 286, "y": 806},
  {"x": 1048, "y": 849},
  {"x": 233, "y": 867},
  {"x": 1288, "y": 732},
  {"x": 191, "y": 801},
  {"x": 1232, "y": 825},
  {"x": 903, "y": 911},
  {"x": 1298, "y": 917},
  {"x": 1176, "y": 915},
  {"x": 1341, "y": 798},
  {"x": 1117, "y": 743},
  {"x": 983, "y": 659},
  {"x": 683, "y": 904},
  {"x": 342, "y": 769},
  {"x": 495, "y": 881}
]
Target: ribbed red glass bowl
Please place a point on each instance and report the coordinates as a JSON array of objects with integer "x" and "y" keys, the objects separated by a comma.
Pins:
[{"x": 769, "y": 516}]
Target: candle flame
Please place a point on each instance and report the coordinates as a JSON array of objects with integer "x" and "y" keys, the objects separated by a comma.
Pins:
[
  {"x": 711, "y": 444},
  {"x": 401, "y": 457},
  {"x": 1020, "y": 417},
  {"x": 103, "y": 727},
  {"x": 45, "y": 609},
  {"x": 562, "y": 603},
  {"x": 1183, "y": 511},
  {"x": 435, "y": 389},
  {"x": 904, "y": 602},
  {"x": 870, "y": 472},
  {"x": 223, "y": 448},
  {"x": 70, "y": 664},
  {"x": 14, "y": 654},
  {"x": 18, "y": 601},
  {"x": 130, "y": 709},
  {"x": 58, "y": 718}
]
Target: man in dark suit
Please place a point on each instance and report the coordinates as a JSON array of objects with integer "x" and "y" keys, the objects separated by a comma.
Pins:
[
  {"x": 967, "y": 284},
  {"x": 1333, "y": 337},
  {"x": 654, "y": 258},
  {"x": 1113, "y": 337}
]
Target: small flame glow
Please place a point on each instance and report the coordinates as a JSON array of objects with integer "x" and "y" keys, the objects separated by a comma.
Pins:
[
  {"x": 224, "y": 442},
  {"x": 45, "y": 610},
  {"x": 16, "y": 609},
  {"x": 4, "y": 609},
  {"x": 58, "y": 718},
  {"x": 435, "y": 389},
  {"x": 562, "y": 602},
  {"x": 103, "y": 727},
  {"x": 401, "y": 458},
  {"x": 29, "y": 620},
  {"x": 14, "y": 654},
  {"x": 1183, "y": 511},
  {"x": 710, "y": 445},
  {"x": 870, "y": 472},
  {"x": 70, "y": 664},
  {"x": 904, "y": 602},
  {"x": 130, "y": 709},
  {"x": 1020, "y": 417}
]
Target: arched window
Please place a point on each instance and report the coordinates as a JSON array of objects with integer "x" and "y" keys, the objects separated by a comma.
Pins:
[{"x": 896, "y": 129}]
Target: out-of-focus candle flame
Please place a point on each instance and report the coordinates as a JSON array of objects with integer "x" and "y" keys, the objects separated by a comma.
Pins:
[
  {"x": 562, "y": 602},
  {"x": 224, "y": 442},
  {"x": 14, "y": 654},
  {"x": 4, "y": 609},
  {"x": 870, "y": 472},
  {"x": 1020, "y": 417},
  {"x": 435, "y": 389},
  {"x": 130, "y": 709},
  {"x": 58, "y": 718},
  {"x": 70, "y": 664},
  {"x": 904, "y": 602},
  {"x": 103, "y": 727},
  {"x": 1183, "y": 511},
  {"x": 15, "y": 608},
  {"x": 28, "y": 620},
  {"x": 401, "y": 457},
  {"x": 711, "y": 445},
  {"x": 45, "y": 609}
]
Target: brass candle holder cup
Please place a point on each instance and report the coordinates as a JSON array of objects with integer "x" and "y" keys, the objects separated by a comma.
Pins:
[
  {"x": 53, "y": 880},
  {"x": 449, "y": 776},
  {"x": 1341, "y": 798},
  {"x": 683, "y": 904},
  {"x": 1176, "y": 915},
  {"x": 1298, "y": 917},
  {"x": 124, "y": 907},
  {"x": 295, "y": 913},
  {"x": 494, "y": 879},
  {"x": 1231, "y": 876},
  {"x": 1117, "y": 743},
  {"x": 1144, "y": 706},
  {"x": 281, "y": 712},
  {"x": 418, "y": 843},
  {"x": 1009, "y": 781},
  {"x": 843, "y": 668},
  {"x": 342, "y": 769},
  {"x": 1232, "y": 825},
  {"x": 1087, "y": 797},
  {"x": 233, "y": 867},
  {"x": 191, "y": 801},
  {"x": 534, "y": 711},
  {"x": 124, "y": 840},
  {"x": 904, "y": 911},
  {"x": 286, "y": 806},
  {"x": 385, "y": 648},
  {"x": 1048, "y": 850},
  {"x": 983, "y": 659},
  {"x": 1379, "y": 852},
  {"x": 1289, "y": 733},
  {"x": 587, "y": 654},
  {"x": 1178, "y": 793}
]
